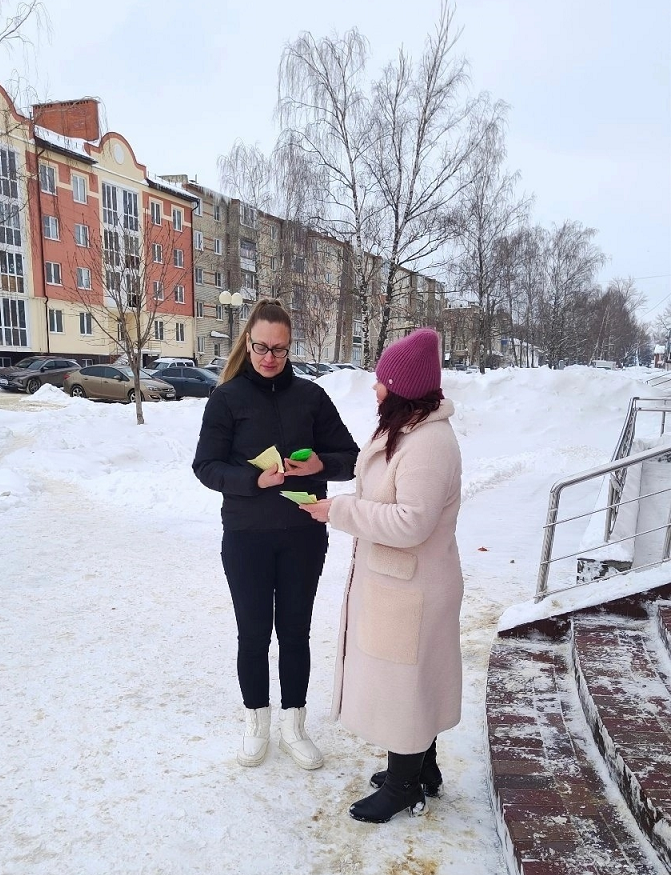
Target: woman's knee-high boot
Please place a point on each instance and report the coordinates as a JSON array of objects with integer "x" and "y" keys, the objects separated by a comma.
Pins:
[{"x": 401, "y": 790}]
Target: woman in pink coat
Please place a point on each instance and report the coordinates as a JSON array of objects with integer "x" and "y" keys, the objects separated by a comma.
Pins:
[{"x": 398, "y": 671}]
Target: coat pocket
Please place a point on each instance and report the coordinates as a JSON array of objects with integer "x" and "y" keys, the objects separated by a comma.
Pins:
[
  {"x": 391, "y": 562},
  {"x": 389, "y": 622}
]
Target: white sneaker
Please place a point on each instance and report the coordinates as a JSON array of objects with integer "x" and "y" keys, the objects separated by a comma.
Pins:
[
  {"x": 294, "y": 740},
  {"x": 255, "y": 740}
]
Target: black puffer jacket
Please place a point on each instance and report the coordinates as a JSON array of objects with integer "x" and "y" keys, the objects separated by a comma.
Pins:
[{"x": 251, "y": 413}]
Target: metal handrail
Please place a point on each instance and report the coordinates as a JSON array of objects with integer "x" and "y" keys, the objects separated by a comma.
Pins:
[
  {"x": 553, "y": 509},
  {"x": 623, "y": 448}
]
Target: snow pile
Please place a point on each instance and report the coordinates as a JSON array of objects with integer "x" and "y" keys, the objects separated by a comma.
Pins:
[{"x": 122, "y": 712}]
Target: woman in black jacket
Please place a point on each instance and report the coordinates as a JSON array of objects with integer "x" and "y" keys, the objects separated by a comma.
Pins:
[{"x": 272, "y": 553}]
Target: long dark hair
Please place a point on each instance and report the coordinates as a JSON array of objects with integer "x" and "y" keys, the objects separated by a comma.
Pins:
[
  {"x": 394, "y": 413},
  {"x": 265, "y": 310}
]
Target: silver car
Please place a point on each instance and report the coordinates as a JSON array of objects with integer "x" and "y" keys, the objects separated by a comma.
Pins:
[
  {"x": 115, "y": 383},
  {"x": 28, "y": 374}
]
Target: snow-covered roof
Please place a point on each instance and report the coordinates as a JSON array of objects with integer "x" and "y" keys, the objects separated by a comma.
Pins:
[
  {"x": 172, "y": 187},
  {"x": 70, "y": 145}
]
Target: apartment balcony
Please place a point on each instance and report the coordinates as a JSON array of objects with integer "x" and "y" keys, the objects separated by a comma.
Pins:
[{"x": 248, "y": 264}]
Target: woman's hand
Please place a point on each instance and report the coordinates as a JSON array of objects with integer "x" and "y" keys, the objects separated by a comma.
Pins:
[
  {"x": 319, "y": 510},
  {"x": 270, "y": 477},
  {"x": 312, "y": 465}
]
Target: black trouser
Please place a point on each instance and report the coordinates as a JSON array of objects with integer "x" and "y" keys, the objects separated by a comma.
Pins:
[{"x": 276, "y": 568}]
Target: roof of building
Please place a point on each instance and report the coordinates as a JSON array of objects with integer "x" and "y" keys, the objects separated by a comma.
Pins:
[{"x": 65, "y": 145}]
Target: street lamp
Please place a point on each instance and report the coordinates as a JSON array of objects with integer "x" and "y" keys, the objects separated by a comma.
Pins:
[{"x": 230, "y": 300}]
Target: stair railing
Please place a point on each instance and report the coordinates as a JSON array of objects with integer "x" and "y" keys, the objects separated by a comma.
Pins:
[{"x": 617, "y": 470}]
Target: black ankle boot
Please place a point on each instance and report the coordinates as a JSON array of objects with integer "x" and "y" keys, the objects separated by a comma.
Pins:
[
  {"x": 430, "y": 777},
  {"x": 400, "y": 790}
]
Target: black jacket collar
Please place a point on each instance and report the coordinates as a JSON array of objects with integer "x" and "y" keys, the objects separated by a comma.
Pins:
[{"x": 274, "y": 384}]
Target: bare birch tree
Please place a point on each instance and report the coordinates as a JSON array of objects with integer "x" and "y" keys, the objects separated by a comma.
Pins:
[
  {"x": 489, "y": 210},
  {"x": 326, "y": 118},
  {"x": 422, "y": 141},
  {"x": 124, "y": 283}
]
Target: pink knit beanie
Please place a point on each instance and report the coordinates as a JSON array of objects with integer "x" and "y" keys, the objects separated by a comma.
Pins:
[{"x": 410, "y": 367}]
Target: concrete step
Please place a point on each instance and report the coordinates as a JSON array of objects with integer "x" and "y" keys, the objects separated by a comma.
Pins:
[
  {"x": 557, "y": 811},
  {"x": 623, "y": 674}
]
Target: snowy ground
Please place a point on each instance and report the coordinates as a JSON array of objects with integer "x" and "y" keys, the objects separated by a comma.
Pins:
[{"x": 121, "y": 712}]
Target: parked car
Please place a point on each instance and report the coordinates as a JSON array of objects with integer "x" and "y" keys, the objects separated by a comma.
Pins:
[
  {"x": 190, "y": 382},
  {"x": 213, "y": 369},
  {"x": 218, "y": 361},
  {"x": 303, "y": 369},
  {"x": 300, "y": 372},
  {"x": 321, "y": 368},
  {"x": 28, "y": 374},
  {"x": 346, "y": 366},
  {"x": 115, "y": 383},
  {"x": 170, "y": 362}
]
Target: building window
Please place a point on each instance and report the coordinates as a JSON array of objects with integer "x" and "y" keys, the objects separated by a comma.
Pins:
[
  {"x": 78, "y": 189},
  {"x": 217, "y": 246},
  {"x": 85, "y": 323},
  {"x": 158, "y": 330},
  {"x": 10, "y": 224},
  {"x": 327, "y": 277},
  {"x": 110, "y": 207},
  {"x": 158, "y": 290},
  {"x": 198, "y": 240},
  {"x": 273, "y": 232},
  {"x": 47, "y": 179},
  {"x": 217, "y": 279},
  {"x": 356, "y": 355},
  {"x": 220, "y": 312},
  {"x": 179, "y": 332},
  {"x": 198, "y": 209},
  {"x": 53, "y": 273},
  {"x": 8, "y": 184},
  {"x": 178, "y": 257},
  {"x": 56, "y": 321},
  {"x": 199, "y": 308},
  {"x": 179, "y": 294},
  {"x": 247, "y": 216},
  {"x": 87, "y": 362},
  {"x": 248, "y": 279},
  {"x": 11, "y": 273},
  {"x": 217, "y": 350},
  {"x": 177, "y": 219},
  {"x": 155, "y": 208},
  {"x": 50, "y": 227},
  {"x": 273, "y": 262},
  {"x": 217, "y": 214},
  {"x": 13, "y": 330},
  {"x": 298, "y": 264},
  {"x": 82, "y": 235},
  {"x": 299, "y": 348},
  {"x": 199, "y": 276},
  {"x": 131, "y": 215},
  {"x": 248, "y": 250},
  {"x": 157, "y": 253},
  {"x": 83, "y": 278},
  {"x": 201, "y": 344}
]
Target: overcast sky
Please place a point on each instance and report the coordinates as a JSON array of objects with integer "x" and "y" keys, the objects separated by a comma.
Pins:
[{"x": 587, "y": 82}]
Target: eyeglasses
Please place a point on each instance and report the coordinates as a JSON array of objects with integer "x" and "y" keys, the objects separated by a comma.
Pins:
[{"x": 279, "y": 352}]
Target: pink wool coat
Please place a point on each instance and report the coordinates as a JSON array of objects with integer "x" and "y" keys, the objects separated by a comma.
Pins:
[{"x": 398, "y": 669}]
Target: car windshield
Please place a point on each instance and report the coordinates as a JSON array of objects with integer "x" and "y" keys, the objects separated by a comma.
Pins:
[
  {"x": 31, "y": 364},
  {"x": 128, "y": 372}
]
